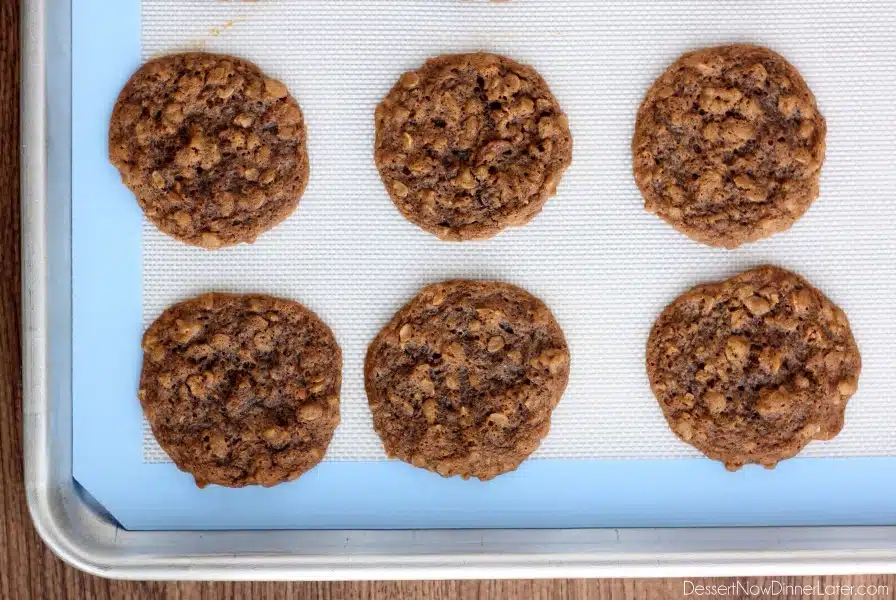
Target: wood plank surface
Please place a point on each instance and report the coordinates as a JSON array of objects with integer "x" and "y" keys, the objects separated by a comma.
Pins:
[{"x": 29, "y": 570}]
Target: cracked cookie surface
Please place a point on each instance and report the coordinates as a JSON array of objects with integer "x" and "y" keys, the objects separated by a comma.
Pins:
[
  {"x": 469, "y": 144},
  {"x": 751, "y": 369},
  {"x": 728, "y": 145},
  {"x": 463, "y": 380},
  {"x": 241, "y": 389},
  {"x": 213, "y": 150}
]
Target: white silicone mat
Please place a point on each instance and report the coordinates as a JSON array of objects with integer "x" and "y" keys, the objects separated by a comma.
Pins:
[{"x": 604, "y": 266}]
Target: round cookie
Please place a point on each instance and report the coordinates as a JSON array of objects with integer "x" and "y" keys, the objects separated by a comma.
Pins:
[
  {"x": 241, "y": 389},
  {"x": 751, "y": 369},
  {"x": 213, "y": 149},
  {"x": 728, "y": 145},
  {"x": 469, "y": 144},
  {"x": 463, "y": 379}
]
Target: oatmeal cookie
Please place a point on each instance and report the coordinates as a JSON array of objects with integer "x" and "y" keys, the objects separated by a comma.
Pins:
[
  {"x": 463, "y": 380},
  {"x": 728, "y": 145},
  {"x": 213, "y": 149},
  {"x": 751, "y": 369},
  {"x": 241, "y": 389},
  {"x": 469, "y": 144}
]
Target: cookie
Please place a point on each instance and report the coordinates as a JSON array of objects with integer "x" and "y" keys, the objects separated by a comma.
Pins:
[
  {"x": 752, "y": 369},
  {"x": 469, "y": 144},
  {"x": 463, "y": 380},
  {"x": 213, "y": 149},
  {"x": 241, "y": 389},
  {"x": 728, "y": 145}
]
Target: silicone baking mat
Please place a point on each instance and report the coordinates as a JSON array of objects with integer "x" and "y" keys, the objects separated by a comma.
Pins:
[{"x": 604, "y": 266}]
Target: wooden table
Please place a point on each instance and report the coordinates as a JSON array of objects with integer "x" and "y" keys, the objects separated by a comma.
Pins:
[{"x": 29, "y": 570}]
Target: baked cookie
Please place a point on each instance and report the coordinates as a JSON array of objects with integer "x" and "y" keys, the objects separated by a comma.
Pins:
[
  {"x": 463, "y": 380},
  {"x": 469, "y": 144},
  {"x": 213, "y": 149},
  {"x": 752, "y": 369},
  {"x": 728, "y": 145},
  {"x": 241, "y": 390}
]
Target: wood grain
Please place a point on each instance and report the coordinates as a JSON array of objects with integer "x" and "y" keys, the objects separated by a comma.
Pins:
[{"x": 29, "y": 570}]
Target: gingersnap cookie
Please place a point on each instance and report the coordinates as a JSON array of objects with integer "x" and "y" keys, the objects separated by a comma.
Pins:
[
  {"x": 751, "y": 369},
  {"x": 469, "y": 144},
  {"x": 463, "y": 380},
  {"x": 728, "y": 145},
  {"x": 213, "y": 149},
  {"x": 241, "y": 389}
]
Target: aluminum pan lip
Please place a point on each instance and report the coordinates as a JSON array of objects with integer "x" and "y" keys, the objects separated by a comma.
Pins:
[{"x": 85, "y": 539}]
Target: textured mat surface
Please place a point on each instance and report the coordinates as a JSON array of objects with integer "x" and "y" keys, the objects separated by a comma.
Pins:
[{"x": 604, "y": 266}]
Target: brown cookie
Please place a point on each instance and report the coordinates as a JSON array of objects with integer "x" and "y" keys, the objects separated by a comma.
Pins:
[
  {"x": 469, "y": 144},
  {"x": 241, "y": 389},
  {"x": 463, "y": 380},
  {"x": 728, "y": 145},
  {"x": 751, "y": 369},
  {"x": 213, "y": 149}
]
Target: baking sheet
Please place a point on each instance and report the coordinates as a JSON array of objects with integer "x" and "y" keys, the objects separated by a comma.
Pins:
[{"x": 604, "y": 266}]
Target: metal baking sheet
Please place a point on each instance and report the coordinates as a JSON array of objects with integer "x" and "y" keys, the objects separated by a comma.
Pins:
[{"x": 79, "y": 528}]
